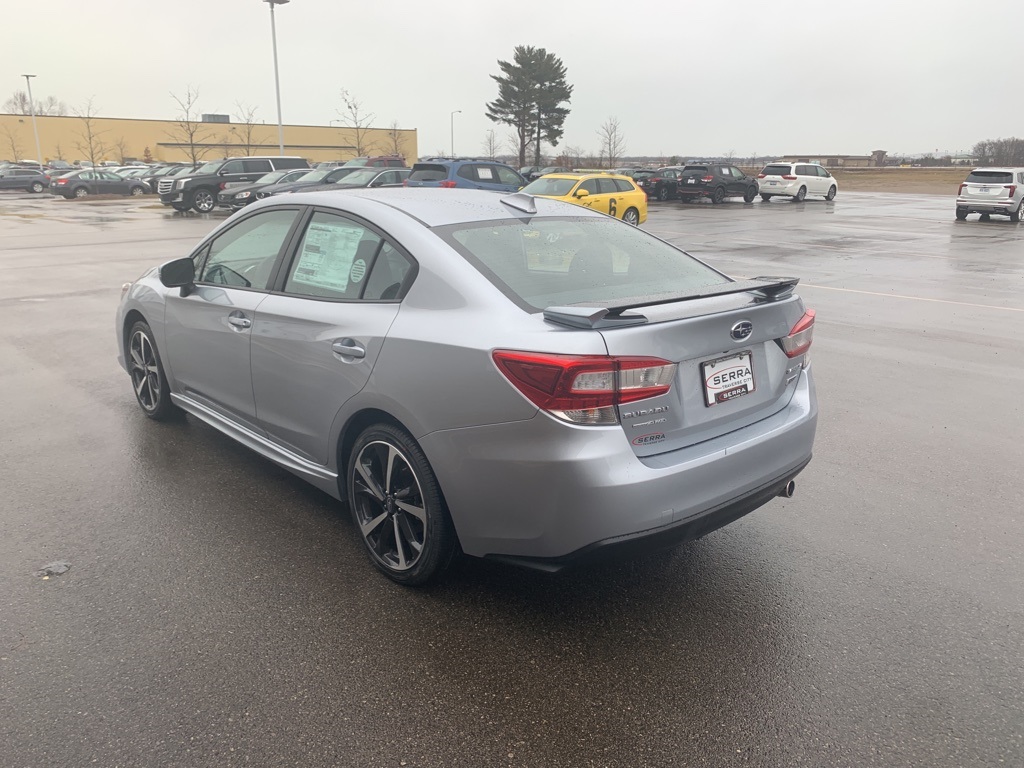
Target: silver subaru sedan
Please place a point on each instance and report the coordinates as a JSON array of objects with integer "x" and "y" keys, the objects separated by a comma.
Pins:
[{"x": 503, "y": 376}]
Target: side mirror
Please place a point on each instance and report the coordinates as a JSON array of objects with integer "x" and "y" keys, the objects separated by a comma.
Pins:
[
  {"x": 582, "y": 193},
  {"x": 180, "y": 273}
]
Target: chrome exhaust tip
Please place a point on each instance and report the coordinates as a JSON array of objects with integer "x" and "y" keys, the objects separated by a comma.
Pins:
[{"x": 788, "y": 490}]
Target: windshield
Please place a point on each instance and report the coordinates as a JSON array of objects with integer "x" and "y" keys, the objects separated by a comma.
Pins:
[
  {"x": 358, "y": 162},
  {"x": 180, "y": 171},
  {"x": 550, "y": 187},
  {"x": 270, "y": 178},
  {"x": 337, "y": 173},
  {"x": 312, "y": 176},
  {"x": 359, "y": 178},
  {"x": 209, "y": 168},
  {"x": 545, "y": 262}
]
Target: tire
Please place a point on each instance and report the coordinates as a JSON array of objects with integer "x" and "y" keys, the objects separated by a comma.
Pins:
[
  {"x": 831, "y": 193},
  {"x": 961, "y": 214},
  {"x": 179, "y": 207},
  {"x": 750, "y": 194},
  {"x": 718, "y": 195},
  {"x": 632, "y": 216},
  {"x": 388, "y": 478},
  {"x": 984, "y": 217},
  {"x": 152, "y": 392},
  {"x": 800, "y": 195},
  {"x": 81, "y": 192},
  {"x": 663, "y": 193},
  {"x": 136, "y": 191},
  {"x": 1016, "y": 216},
  {"x": 37, "y": 187},
  {"x": 765, "y": 198},
  {"x": 203, "y": 200}
]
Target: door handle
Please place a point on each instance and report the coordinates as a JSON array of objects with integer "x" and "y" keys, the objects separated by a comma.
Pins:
[
  {"x": 239, "y": 321},
  {"x": 348, "y": 348}
]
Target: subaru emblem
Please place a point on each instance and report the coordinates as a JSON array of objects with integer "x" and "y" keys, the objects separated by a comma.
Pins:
[{"x": 742, "y": 330}]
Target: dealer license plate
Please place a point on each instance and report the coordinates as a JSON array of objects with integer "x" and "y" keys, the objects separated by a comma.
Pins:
[
  {"x": 691, "y": 181},
  {"x": 727, "y": 377}
]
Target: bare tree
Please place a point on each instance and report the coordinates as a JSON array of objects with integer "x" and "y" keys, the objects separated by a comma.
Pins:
[
  {"x": 18, "y": 104},
  {"x": 396, "y": 142},
  {"x": 360, "y": 123},
  {"x": 575, "y": 156},
  {"x": 121, "y": 146},
  {"x": 59, "y": 152},
  {"x": 89, "y": 136},
  {"x": 491, "y": 144},
  {"x": 613, "y": 143},
  {"x": 12, "y": 140},
  {"x": 189, "y": 132},
  {"x": 245, "y": 132}
]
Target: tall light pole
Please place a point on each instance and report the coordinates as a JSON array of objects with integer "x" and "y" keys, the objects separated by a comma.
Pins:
[
  {"x": 32, "y": 109},
  {"x": 277, "y": 79},
  {"x": 456, "y": 112}
]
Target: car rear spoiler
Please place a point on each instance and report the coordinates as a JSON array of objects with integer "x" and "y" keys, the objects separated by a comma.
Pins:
[{"x": 584, "y": 316}]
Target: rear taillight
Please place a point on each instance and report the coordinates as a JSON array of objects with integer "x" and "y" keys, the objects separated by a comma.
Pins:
[
  {"x": 961, "y": 190},
  {"x": 447, "y": 184},
  {"x": 62, "y": 181},
  {"x": 405, "y": 182},
  {"x": 789, "y": 177},
  {"x": 707, "y": 178},
  {"x": 760, "y": 175},
  {"x": 799, "y": 339},
  {"x": 1012, "y": 188},
  {"x": 585, "y": 389}
]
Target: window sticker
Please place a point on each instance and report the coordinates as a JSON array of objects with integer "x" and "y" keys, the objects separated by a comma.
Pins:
[
  {"x": 358, "y": 271},
  {"x": 484, "y": 173},
  {"x": 327, "y": 253}
]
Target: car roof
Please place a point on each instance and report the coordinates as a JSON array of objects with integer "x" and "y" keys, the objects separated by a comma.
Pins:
[
  {"x": 578, "y": 175},
  {"x": 1001, "y": 169},
  {"x": 433, "y": 207}
]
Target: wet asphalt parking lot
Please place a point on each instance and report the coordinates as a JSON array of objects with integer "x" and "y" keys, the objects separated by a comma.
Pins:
[{"x": 220, "y": 612}]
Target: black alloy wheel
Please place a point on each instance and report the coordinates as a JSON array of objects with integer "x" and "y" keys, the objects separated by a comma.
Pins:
[
  {"x": 750, "y": 194},
  {"x": 397, "y": 505},
  {"x": 147, "y": 372},
  {"x": 663, "y": 193},
  {"x": 718, "y": 195}
]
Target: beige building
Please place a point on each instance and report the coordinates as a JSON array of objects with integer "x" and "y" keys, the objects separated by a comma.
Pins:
[{"x": 118, "y": 139}]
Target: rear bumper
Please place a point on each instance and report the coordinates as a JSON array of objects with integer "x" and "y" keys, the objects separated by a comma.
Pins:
[
  {"x": 788, "y": 189},
  {"x": 1004, "y": 207},
  {"x": 544, "y": 493}
]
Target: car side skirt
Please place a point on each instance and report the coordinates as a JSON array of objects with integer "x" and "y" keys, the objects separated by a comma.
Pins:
[{"x": 315, "y": 474}]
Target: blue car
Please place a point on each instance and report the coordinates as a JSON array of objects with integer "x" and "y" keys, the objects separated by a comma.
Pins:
[{"x": 465, "y": 173}]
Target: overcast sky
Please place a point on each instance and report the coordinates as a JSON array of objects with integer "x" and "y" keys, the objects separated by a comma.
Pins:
[{"x": 683, "y": 77}]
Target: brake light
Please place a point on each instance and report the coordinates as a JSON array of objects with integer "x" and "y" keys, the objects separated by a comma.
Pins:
[
  {"x": 760, "y": 175},
  {"x": 62, "y": 181},
  {"x": 1012, "y": 188},
  {"x": 961, "y": 190},
  {"x": 447, "y": 184},
  {"x": 799, "y": 339},
  {"x": 709, "y": 177},
  {"x": 789, "y": 177},
  {"x": 585, "y": 389}
]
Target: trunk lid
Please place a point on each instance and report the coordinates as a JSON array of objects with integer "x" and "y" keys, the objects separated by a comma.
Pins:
[
  {"x": 721, "y": 383},
  {"x": 988, "y": 185}
]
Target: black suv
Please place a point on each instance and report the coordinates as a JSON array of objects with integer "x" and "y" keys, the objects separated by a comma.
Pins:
[
  {"x": 199, "y": 189},
  {"x": 717, "y": 181},
  {"x": 663, "y": 183}
]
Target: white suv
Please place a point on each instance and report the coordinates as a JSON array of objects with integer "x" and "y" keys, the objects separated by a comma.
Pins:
[
  {"x": 992, "y": 190},
  {"x": 796, "y": 181}
]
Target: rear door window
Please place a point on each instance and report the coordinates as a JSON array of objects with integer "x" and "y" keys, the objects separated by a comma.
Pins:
[
  {"x": 607, "y": 186},
  {"x": 257, "y": 166},
  {"x": 234, "y": 166},
  {"x": 623, "y": 186},
  {"x": 806, "y": 170}
]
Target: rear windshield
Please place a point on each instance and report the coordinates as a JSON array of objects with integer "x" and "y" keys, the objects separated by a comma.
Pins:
[
  {"x": 358, "y": 162},
  {"x": 991, "y": 177},
  {"x": 546, "y": 262},
  {"x": 550, "y": 187},
  {"x": 423, "y": 172},
  {"x": 777, "y": 170},
  {"x": 695, "y": 169}
]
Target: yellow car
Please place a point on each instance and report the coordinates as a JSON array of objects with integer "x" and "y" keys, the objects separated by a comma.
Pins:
[{"x": 608, "y": 193}]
